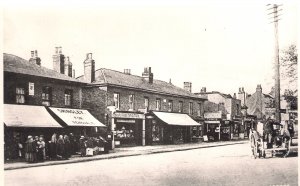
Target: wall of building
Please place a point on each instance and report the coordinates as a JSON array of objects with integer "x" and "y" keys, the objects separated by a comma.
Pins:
[
  {"x": 95, "y": 100},
  {"x": 11, "y": 81},
  {"x": 140, "y": 101}
]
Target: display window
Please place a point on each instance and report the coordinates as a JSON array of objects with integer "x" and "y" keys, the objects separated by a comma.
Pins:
[{"x": 124, "y": 131}]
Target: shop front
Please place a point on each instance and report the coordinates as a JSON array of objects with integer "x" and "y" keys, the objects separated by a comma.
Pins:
[
  {"x": 170, "y": 128},
  {"x": 216, "y": 126},
  {"x": 128, "y": 128},
  {"x": 237, "y": 128},
  {"x": 20, "y": 121}
]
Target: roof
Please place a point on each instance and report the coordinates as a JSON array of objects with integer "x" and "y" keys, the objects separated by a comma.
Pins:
[
  {"x": 215, "y": 92},
  {"x": 19, "y": 65},
  {"x": 112, "y": 77}
]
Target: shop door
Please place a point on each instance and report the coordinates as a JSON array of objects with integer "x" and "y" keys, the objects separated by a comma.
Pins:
[{"x": 138, "y": 132}]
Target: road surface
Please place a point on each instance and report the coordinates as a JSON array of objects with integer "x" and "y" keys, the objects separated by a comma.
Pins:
[{"x": 226, "y": 165}]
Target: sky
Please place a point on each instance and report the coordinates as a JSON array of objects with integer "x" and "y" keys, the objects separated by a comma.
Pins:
[{"x": 220, "y": 45}]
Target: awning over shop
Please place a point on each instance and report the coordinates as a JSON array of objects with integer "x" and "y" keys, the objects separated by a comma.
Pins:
[
  {"x": 28, "y": 116},
  {"x": 76, "y": 117},
  {"x": 176, "y": 119}
]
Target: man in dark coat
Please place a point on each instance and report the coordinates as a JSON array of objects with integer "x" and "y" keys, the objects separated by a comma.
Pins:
[{"x": 82, "y": 146}]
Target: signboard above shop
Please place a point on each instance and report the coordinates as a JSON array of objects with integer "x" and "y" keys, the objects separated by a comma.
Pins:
[
  {"x": 213, "y": 115},
  {"x": 128, "y": 115}
]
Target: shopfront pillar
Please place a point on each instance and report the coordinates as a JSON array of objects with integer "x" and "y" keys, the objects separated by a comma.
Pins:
[
  {"x": 219, "y": 131},
  {"x": 113, "y": 133},
  {"x": 144, "y": 132}
]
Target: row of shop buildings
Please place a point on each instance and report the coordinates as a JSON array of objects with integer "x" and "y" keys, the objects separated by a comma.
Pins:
[{"x": 127, "y": 109}]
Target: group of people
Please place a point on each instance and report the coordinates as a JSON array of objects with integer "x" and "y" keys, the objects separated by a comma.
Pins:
[
  {"x": 61, "y": 147},
  {"x": 58, "y": 147}
]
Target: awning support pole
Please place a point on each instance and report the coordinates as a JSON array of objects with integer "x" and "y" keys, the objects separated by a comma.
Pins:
[
  {"x": 143, "y": 132},
  {"x": 220, "y": 132},
  {"x": 113, "y": 132}
]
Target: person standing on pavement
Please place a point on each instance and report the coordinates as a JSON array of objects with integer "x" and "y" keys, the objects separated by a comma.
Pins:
[
  {"x": 82, "y": 146},
  {"x": 67, "y": 150},
  {"x": 60, "y": 147},
  {"x": 30, "y": 149},
  {"x": 72, "y": 143},
  {"x": 41, "y": 149},
  {"x": 52, "y": 147}
]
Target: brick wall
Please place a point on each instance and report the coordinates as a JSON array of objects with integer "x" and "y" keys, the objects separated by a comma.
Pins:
[
  {"x": 140, "y": 100},
  {"x": 11, "y": 81},
  {"x": 94, "y": 99}
]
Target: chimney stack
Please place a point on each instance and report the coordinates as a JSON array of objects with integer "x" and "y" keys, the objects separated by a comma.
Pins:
[
  {"x": 242, "y": 96},
  {"x": 127, "y": 71},
  {"x": 73, "y": 74},
  {"x": 34, "y": 58},
  {"x": 89, "y": 68},
  {"x": 68, "y": 67},
  {"x": 258, "y": 88},
  {"x": 234, "y": 95},
  {"x": 187, "y": 86},
  {"x": 147, "y": 75},
  {"x": 59, "y": 61},
  {"x": 203, "y": 90}
]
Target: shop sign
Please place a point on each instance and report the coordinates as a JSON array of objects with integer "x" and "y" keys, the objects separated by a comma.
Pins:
[
  {"x": 213, "y": 115},
  {"x": 128, "y": 115},
  {"x": 31, "y": 89},
  {"x": 270, "y": 110},
  {"x": 126, "y": 120}
]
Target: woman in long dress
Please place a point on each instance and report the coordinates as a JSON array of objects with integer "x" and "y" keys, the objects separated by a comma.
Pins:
[
  {"x": 67, "y": 147},
  {"x": 60, "y": 147},
  {"x": 30, "y": 149},
  {"x": 41, "y": 149}
]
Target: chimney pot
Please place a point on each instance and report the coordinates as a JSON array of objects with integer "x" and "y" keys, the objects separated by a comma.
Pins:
[
  {"x": 73, "y": 74},
  {"x": 32, "y": 54},
  {"x": 36, "y": 53},
  {"x": 187, "y": 86}
]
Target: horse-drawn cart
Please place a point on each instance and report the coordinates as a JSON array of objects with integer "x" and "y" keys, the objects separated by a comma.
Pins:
[{"x": 270, "y": 139}]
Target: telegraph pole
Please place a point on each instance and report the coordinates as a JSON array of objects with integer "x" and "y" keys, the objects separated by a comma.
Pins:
[{"x": 275, "y": 18}]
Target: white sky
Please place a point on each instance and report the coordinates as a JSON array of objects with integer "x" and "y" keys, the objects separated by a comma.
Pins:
[{"x": 222, "y": 46}]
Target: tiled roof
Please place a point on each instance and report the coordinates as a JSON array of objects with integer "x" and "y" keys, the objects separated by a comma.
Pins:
[
  {"x": 107, "y": 76},
  {"x": 214, "y": 92},
  {"x": 18, "y": 65}
]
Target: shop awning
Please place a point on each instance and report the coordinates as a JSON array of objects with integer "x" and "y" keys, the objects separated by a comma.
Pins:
[
  {"x": 76, "y": 117},
  {"x": 28, "y": 116},
  {"x": 176, "y": 119}
]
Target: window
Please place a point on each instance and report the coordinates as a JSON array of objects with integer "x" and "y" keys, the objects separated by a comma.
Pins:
[
  {"x": 68, "y": 97},
  {"x": 146, "y": 103},
  {"x": 46, "y": 96},
  {"x": 190, "y": 108},
  {"x": 117, "y": 100},
  {"x": 170, "y": 105},
  {"x": 199, "y": 110},
  {"x": 20, "y": 95},
  {"x": 158, "y": 104},
  {"x": 180, "y": 106},
  {"x": 131, "y": 102}
]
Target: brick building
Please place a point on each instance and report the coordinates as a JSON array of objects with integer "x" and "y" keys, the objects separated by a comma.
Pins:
[
  {"x": 41, "y": 101},
  {"x": 222, "y": 115},
  {"x": 139, "y": 109}
]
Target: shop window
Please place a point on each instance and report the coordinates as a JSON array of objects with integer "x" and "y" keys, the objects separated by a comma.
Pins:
[
  {"x": 156, "y": 132},
  {"x": 124, "y": 131},
  {"x": 131, "y": 102},
  {"x": 146, "y": 103},
  {"x": 117, "y": 100},
  {"x": 158, "y": 104},
  {"x": 68, "y": 97},
  {"x": 180, "y": 106},
  {"x": 196, "y": 131},
  {"x": 20, "y": 95},
  {"x": 170, "y": 106},
  {"x": 190, "y": 108},
  {"x": 46, "y": 96}
]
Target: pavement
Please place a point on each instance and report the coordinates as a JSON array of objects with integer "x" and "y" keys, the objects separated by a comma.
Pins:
[{"x": 125, "y": 152}]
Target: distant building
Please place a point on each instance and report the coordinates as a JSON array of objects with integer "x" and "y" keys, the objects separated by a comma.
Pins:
[
  {"x": 222, "y": 114},
  {"x": 260, "y": 104},
  {"x": 141, "y": 110}
]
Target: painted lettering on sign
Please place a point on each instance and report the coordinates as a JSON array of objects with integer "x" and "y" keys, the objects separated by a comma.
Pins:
[{"x": 70, "y": 111}]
